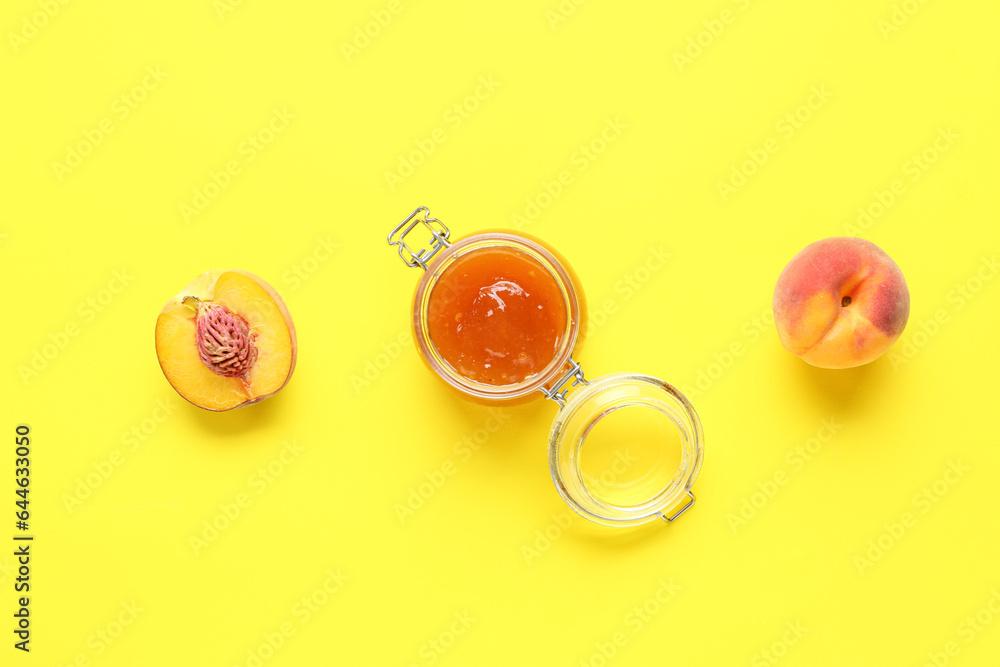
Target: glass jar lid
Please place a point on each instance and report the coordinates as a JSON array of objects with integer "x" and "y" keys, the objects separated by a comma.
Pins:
[{"x": 625, "y": 449}]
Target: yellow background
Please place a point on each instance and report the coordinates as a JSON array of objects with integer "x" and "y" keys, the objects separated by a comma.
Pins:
[{"x": 556, "y": 82}]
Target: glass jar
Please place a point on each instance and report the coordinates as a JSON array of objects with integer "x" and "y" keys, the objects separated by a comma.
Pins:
[{"x": 536, "y": 316}]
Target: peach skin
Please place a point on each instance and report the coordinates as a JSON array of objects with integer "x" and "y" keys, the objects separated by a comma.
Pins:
[{"x": 841, "y": 302}]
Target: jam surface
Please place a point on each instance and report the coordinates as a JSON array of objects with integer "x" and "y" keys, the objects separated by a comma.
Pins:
[{"x": 496, "y": 316}]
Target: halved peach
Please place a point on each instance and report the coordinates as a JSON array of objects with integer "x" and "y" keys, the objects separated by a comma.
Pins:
[{"x": 226, "y": 340}]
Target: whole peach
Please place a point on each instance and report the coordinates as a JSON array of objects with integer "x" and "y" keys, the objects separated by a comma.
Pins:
[{"x": 841, "y": 302}]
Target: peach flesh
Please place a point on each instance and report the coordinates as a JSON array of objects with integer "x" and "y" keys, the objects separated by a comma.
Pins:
[
  {"x": 226, "y": 340},
  {"x": 841, "y": 302}
]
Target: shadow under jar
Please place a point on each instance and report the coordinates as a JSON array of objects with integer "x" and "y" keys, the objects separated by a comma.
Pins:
[{"x": 497, "y": 316}]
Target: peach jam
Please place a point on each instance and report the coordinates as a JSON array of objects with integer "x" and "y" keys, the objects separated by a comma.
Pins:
[{"x": 496, "y": 316}]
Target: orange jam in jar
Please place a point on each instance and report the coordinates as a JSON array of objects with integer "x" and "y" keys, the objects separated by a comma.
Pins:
[{"x": 497, "y": 316}]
